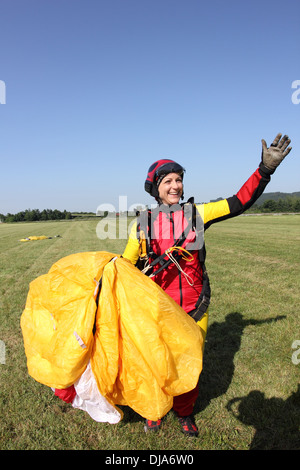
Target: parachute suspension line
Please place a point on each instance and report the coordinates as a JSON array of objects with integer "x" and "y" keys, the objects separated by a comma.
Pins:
[
  {"x": 146, "y": 268},
  {"x": 186, "y": 255},
  {"x": 190, "y": 257}
]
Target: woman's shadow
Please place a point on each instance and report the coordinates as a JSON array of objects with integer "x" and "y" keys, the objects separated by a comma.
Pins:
[
  {"x": 276, "y": 421},
  {"x": 223, "y": 341}
]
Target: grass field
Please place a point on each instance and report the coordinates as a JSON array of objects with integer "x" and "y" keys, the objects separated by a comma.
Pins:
[{"x": 249, "y": 388}]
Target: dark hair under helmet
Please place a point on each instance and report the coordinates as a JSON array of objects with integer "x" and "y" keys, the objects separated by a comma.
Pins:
[{"x": 157, "y": 171}]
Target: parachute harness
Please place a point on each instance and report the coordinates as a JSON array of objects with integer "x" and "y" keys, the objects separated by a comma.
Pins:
[
  {"x": 186, "y": 255},
  {"x": 148, "y": 258}
]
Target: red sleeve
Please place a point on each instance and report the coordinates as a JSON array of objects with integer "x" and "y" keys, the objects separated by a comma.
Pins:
[
  {"x": 250, "y": 191},
  {"x": 247, "y": 191},
  {"x": 247, "y": 195}
]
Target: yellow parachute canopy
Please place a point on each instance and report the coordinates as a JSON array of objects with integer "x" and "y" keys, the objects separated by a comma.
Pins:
[
  {"x": 37, "y": 237},
  {"x": 33, "y": 238},
  {"x": 142, "y": 347}
]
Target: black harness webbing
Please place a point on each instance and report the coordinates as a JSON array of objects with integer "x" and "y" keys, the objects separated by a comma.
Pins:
[{"x": 145, "y": 227}]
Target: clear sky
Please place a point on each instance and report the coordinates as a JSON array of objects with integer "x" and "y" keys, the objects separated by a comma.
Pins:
[{"x": 97, "y": 90}]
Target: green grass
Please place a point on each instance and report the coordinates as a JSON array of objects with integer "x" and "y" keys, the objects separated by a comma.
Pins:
[{"x": 249, "y": 393}]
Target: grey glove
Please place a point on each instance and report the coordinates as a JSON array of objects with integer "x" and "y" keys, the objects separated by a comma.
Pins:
[{"x": 278, "y": 150}]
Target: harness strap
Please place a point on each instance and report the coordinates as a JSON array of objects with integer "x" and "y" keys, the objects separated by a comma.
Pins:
[
  {"x": 173, "y": 255},
  {"x": 161, "y": 258}
]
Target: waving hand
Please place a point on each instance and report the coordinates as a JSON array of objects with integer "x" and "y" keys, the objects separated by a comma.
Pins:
[{"x": 278, "y": 150}]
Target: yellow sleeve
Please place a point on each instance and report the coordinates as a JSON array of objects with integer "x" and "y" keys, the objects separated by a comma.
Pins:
[
  {"x": 203, "y": 324},
  {"x": 213, "y": 211},
  {"x": 131, "y": 251}
]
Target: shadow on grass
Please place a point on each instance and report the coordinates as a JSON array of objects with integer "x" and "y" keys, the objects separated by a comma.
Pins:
[
  {"x": 276, "y": 421},
  {"x": 129, "y": 415},
  {"x": 223, "y": 341}
]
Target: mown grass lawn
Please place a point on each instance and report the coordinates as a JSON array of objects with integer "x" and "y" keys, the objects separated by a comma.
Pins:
[{"x": 249, "y": 388}]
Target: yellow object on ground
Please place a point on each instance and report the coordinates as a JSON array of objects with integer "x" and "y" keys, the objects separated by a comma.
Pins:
[
  {"x": 143, "y": 348},
  {"x": 33, "y": 238}
]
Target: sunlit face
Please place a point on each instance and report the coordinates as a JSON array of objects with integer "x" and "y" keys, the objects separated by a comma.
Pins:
[{"x": 170, "y": 189}]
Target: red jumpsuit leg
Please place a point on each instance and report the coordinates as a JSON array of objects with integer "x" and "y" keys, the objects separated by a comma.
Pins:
[{"x": 183, "y": 404}]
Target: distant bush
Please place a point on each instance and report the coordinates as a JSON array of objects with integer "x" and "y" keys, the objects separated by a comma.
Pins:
[
  {"x": 289, "y": 204},
  {"x": 35, "y": 214}
]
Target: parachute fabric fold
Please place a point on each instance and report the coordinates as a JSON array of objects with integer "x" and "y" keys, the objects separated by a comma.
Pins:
[
  {"x": 159, "y": 350},
  {"x": 57, "y": 323},
  {"x": 144, "y": 349}
]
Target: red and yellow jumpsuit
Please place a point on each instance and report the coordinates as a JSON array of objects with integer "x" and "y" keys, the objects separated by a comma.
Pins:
[{"x": 167, "y": 227}]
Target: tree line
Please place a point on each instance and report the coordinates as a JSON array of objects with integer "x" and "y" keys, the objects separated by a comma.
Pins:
[
  {"x": 288, "y": 204},
  {"x": 32, "y": 215}
]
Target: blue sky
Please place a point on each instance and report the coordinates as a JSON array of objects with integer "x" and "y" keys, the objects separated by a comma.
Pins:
[{"x": 97, "y": 90}]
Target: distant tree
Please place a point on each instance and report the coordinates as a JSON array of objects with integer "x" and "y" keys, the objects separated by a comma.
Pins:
[
  {"x": 296, "y": 206},
  {"x": 269, "y": 206},
  {"x": 44, "y": 215}
]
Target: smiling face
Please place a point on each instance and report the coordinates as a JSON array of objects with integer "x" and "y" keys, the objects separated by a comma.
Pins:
[{"x": 170, "y": 189}]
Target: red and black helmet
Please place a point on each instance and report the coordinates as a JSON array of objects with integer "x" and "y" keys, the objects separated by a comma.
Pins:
[{"x": 158, "y": 170}]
